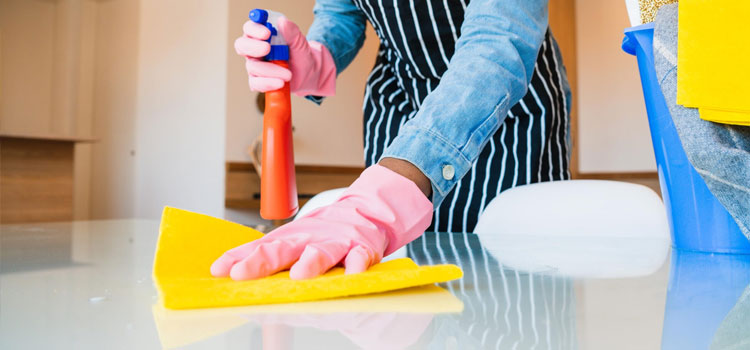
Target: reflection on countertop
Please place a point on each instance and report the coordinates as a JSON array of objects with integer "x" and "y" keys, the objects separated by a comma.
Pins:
[
  {"x": 703, "y": 288},
  {"x": 88, "y": 285},
  {"x": 26, "y": 248}
]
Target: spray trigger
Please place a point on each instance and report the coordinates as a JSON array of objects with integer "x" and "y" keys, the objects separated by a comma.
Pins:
[{"x": 279, "y": 48}]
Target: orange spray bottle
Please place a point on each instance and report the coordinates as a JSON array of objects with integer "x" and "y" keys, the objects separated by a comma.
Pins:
[{"x": 278, "y": 186}]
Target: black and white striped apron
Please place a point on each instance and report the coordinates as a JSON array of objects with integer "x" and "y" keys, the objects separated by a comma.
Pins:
[{"x": 417, "y": 40}]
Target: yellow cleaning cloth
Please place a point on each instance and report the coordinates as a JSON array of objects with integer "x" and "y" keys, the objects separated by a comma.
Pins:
[
  {"x": 713, "y": 51},
  {"x": 725, "y": 117},
  {"x": 190, "y": 242}
]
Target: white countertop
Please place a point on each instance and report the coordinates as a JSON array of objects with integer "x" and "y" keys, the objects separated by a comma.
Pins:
[{"x": 87, "y": 285}]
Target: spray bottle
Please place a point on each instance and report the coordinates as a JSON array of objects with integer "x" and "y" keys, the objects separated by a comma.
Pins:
[{"x": 278, "y": 186}]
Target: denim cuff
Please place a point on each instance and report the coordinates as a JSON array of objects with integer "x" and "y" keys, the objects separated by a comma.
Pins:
[{"x": 437, "y": 158}]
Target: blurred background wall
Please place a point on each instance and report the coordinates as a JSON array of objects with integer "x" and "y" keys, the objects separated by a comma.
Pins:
[
  {"x": 47, "y": 76},
  {"x": 181, "y": 106},
  {"x": 613, "y": 133},
  {"x": 147, "y": 79}
]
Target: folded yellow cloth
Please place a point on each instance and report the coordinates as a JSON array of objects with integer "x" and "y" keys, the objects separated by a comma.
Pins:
[
  {"x": 712, "y": 69},
  {"x": 725, "y": 117},
  {"x": 190, "y": 242}
]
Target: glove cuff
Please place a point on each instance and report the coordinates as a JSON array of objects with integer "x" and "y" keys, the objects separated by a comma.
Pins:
[
  {"x": 322, "y": 79},
  {"x": 394, "y": 203}
]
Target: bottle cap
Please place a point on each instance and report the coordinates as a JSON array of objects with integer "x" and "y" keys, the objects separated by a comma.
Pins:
[{"x": 278, "y": 52}]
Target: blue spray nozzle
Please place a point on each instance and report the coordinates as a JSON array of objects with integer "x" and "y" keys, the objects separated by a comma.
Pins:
[
  {"x": 259, "y": 16},
  {"x": 279, "y": 49}
]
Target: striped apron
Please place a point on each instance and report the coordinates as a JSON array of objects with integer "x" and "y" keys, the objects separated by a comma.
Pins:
[{"x": 417, "y": 40}]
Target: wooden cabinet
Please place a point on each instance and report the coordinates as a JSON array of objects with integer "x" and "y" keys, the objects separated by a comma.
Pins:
[
  {"x": 36, "y": 178},
  {"x": 243, "y": 183}
]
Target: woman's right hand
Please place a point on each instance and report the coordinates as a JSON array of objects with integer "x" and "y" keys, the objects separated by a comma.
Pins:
[{"x": 312, "y": 70}]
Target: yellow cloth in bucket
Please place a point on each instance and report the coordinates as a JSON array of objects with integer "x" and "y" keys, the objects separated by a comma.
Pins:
[
  {"x": 712, "y": 70},
  {"x": 190, "y": 242},
  {"x": 725, "y": 117}
]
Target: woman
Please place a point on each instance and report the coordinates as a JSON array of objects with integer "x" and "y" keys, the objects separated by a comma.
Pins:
[{"x": 465, "y": 100}]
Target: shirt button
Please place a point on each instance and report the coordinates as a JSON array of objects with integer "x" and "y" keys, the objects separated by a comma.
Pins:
[{"x": 448, "y": 172}]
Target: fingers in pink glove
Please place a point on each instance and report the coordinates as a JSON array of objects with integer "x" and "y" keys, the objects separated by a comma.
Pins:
[
  {"x": 260, "y": 68},
  {"x": 256, "y": 30},
  {"x": 318, "y": 258},
  {"x": 267, "y": 259},
  {"x": 358, "y": 260},
  {"x": 222, "y": 265},
  {"x": 260, "y": 258},
  {"x": 250, "y": 47}
]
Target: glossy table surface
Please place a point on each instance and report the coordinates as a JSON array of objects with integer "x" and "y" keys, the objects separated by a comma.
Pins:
[{"x": 87, "y": 285}]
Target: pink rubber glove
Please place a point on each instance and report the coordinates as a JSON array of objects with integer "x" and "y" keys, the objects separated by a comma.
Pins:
[
  {"x": 312, "y": 70},
  {"x": 379, "y": 213}
]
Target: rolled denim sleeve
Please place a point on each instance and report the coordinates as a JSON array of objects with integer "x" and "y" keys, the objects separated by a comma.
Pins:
[
  {"x": 489, "y": 72},
  {"x": 340, "y": 26}
]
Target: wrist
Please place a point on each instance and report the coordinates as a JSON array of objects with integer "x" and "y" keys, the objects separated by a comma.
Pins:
[
  {"x": 316, "y": 74},
  {"x": 327, "y": 67},
  {"x": 409, "y": 171}
]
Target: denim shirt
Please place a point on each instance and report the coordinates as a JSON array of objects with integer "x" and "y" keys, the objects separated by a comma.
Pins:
[{"x": 489, "y": 72}]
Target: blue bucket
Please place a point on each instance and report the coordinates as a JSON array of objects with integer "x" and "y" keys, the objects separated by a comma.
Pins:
[{"x": 697, "y": 220}]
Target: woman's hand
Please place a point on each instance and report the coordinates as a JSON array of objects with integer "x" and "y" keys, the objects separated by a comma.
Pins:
[
  {"x": 379, "y": 213},
  {"x": 312, "y": 70}
]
